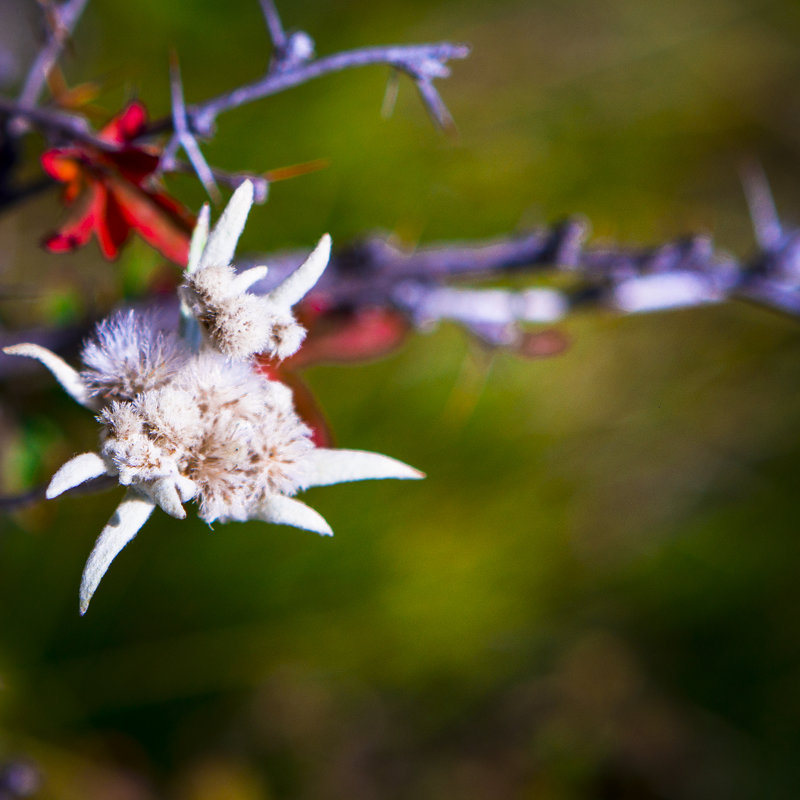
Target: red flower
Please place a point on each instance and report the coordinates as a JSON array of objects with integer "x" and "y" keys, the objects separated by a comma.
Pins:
[{"x": 115, "y": 193}]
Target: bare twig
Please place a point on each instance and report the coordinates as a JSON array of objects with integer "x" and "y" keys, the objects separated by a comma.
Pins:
[
  {"x": 685, "y": 272},
  {"x": 184, "y": 137},
  {"x": 65, "y": 17},
  {"x": 274, "y": 26},
  {"x": 61, "y": 125},
  {"x": 438, "y": 282},
  {"x": 15, "y": 502},
  {"x": 432, "y": 101},
  {"x": 423, "y": 63},
  {"x": 763, "y": 213},
  {"x": 390, "y": 94},
  {"x": 293, "y": 64},
  {"x": 231, "y": 180}
]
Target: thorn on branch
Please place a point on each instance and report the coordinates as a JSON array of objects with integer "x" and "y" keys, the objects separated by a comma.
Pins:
[
  {"x": 64, "y": 18},
  {"x": 289, "y": 49},
  {"x": 435, "y": 106},
  {"x": 423, "y": 63},
  {"x": 763, "y": 214},
  {"x": 183, "y": 135},
  {"x": 774, "y": 272},
  {"x": 566, "y": 245},
  {"x": 232, "y": 180},
  {"x": 390, "y": 95},
  {"x": 274, "y": 26},
  {"x": 431, "y": 63}
]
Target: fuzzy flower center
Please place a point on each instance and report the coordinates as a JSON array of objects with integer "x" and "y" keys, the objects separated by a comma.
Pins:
[
  {"x": 129, "y": 355},
  {"x": 230, "y": 431}
]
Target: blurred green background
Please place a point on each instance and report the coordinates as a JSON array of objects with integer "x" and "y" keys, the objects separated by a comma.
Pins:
[{"x": 596, "y": 592}]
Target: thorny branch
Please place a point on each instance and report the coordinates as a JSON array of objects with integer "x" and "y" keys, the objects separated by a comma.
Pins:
[
  {"x": 59, "y": 125},
  {"x": 292, "y": 64},
  {"x": 63, "y": 21},
  {"x": 423, "y": 63},
  {"x": 275, "y": 27},
  {"x": 428, "y": 284},
  {"x": 184, "y": 138},
  {"x": 24, "y": 113},
  {"x": 436, "y": 283}
]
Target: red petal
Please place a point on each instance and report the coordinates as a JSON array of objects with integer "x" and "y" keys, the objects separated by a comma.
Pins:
[
  {"x": 78, "y": 230},
  {"x": 134, "y": 163},
  {"x": 107, "y": 230},
  {"x": 115, "y": 228},
  {"x": 155, "y": 218},
  {"x": 543, "y": 344},
  {"x": 357, "y": 336},
  {"x": 126, "y": 125},
  {"x": 71, "y": 192},
  {"x": 62, "y": 164},
  {"x": 72, "y": 236},
  {"x": 309, "y": 411}
]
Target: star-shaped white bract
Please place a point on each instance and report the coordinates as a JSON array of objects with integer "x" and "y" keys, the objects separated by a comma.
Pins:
[
  {"x": 215, "y": 297},
  {"x": 188, "y": 418}
]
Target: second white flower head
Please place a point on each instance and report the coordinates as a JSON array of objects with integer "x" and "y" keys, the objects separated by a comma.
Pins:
[{"x": 236, "y": 322}]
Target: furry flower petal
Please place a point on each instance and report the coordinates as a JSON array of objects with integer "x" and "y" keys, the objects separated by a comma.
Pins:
[
  {"x": 328, "y": 466},
  {"x": 131, "y": 514},
  {"x": 70, "y": 379},
  {"x": 222, "y": 241},
  {"x": 283, "y": 510},
  {"x": 169, "y": 494},
  {"x": 245, "y": 279},
  {"x": 76, "y": 471},
  {"x": 302, "y": 280},
  {"x": 199, "y": 239}
]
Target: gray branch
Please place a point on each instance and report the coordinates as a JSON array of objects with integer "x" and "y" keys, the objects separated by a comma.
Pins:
[
  {"x": 15, "y": 502},
  {"x": 184, "y": 137},
  {"x": 442, "y": 282},
  {"x": 447, "y": 281},
  {"x": 423, "y": 63},
  {"x": 274, "y": 26},
  {"x": 59, "y": 125},
  {"x": 438, "y": 283},
  {"x": 66, "y": 16},
  {"x": 293, "y": 63}
]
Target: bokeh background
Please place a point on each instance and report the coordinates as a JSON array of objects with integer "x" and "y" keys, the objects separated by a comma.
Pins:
[{"x": 596, "y": 592}]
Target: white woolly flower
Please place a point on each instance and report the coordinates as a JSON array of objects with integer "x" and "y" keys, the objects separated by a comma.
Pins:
[
  {"x": 231, "y": 432},
  {"x": 232, "y": 320},
  {"x": 127, "y": 355},
  {"x": 185, "y": 419}
]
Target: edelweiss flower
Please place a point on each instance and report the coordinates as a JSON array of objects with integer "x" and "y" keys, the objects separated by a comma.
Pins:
[{"x": 188, "y": 417}]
